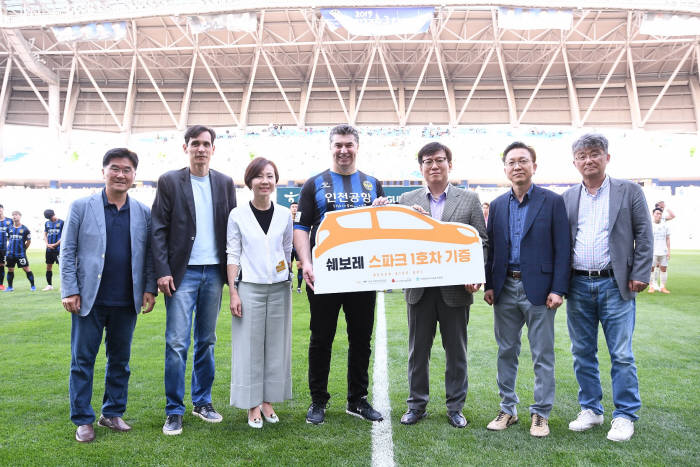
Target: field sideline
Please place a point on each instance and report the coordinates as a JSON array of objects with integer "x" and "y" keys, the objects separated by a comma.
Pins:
[{"x": 35, "y": 427}]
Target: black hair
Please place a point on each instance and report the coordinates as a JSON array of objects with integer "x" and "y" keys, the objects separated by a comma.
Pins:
[{"x": 119, "y": 153}]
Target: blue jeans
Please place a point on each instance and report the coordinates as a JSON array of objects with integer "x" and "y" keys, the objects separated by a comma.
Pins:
[
  {"x": 198, "y": 294},
  {"x": 593, "y": 300},
  {"x": 85, "y": 338}
]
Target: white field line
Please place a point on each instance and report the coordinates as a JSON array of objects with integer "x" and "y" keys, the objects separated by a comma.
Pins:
[{"x": 382, "y": 443}]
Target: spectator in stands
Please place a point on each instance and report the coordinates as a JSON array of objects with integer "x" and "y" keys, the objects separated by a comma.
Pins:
[
  {"x": 259, "y": 246},
  {"x": 485, "y": 208},
  {"x": 447, "y": 305},
  {"x": 106, "y": 278},
  {"x": 612, "y": 243},
  {"x": 662, "y": 253},
  {"x": 18, "y": 240},
  {"x": 340, "y": 187},
  {"x": 190, "y": 212},
  {"x": 5, "y": 224},
  {"x": 53, "y": 227},
  {"x": 667, "y": 214},
  {"x": 527, "y": 276}
]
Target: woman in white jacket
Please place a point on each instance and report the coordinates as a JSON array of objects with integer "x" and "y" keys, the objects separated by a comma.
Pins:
[{"x": 259, "y": 246}]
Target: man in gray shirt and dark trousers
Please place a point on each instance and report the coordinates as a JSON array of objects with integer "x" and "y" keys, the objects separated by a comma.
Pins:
[{"x": 448, "y": 305}]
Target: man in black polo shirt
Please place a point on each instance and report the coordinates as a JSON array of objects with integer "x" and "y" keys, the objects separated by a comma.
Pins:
[{"x": 107, "y": 276}]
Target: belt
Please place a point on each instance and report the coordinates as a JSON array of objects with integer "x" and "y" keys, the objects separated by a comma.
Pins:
[
  {"x": 514, "y": 274},
  {"x": 601, "y": 273}
]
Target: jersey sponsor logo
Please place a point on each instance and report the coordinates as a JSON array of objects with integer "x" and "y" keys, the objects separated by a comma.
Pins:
[
  {"x": 325, "y": 185},
  {"x": 367, "y": 185}
]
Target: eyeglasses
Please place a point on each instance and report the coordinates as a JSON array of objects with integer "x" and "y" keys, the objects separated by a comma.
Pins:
[
  {"x": 521, "y": 162},
  {"x": 593, "y": 155},
  {"x": 115, "y": 170},
  {"x": 437, "y": 160}
]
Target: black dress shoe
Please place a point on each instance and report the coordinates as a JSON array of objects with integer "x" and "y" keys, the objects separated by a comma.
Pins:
[
  {"x": 456, "y": 419},
  {"x": 413, "y": 416}
]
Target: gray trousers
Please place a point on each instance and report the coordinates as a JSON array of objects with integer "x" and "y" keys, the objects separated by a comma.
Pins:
[
  {"x": 261, "y": 345},
  {"x": 422, "y": 322},
  {"x": 509, "y": 314}
]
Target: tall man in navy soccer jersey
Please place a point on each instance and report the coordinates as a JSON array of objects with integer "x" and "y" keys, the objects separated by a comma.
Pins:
[
  {"x": 53, "y": 227},
  {"x": 5, "y": 224},
  {"x": 19, "y": 238},
  {"x": 340, "y": 187}
]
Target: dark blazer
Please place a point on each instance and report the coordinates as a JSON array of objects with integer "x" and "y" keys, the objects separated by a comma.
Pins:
[
  {"x": 460, "y": 206},
  {"x": 630, "y": 239},
  {"x": 174, "y": 226},
  {"x": 544, "y": 247}
]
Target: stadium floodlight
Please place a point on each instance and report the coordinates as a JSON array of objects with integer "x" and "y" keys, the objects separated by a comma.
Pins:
[{"x": 519, "y": 18}]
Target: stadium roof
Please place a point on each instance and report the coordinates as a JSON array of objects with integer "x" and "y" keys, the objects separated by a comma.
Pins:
[{"x": 293, "y": 69}]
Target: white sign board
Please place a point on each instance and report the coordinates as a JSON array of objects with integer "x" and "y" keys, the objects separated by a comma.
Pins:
[{"x": 393, "y": 247}]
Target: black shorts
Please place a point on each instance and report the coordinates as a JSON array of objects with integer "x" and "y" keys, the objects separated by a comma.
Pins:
[
  {"x": 19, "y": 261},
  {"x": 52, "y": 256},
  {"x": 2, "y": 256}
]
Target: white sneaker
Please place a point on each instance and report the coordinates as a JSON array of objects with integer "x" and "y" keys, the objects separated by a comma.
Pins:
[
  {"x": 586, "y": 420},
  {"x": 622, "y": 429},
  {"x": 48, "y": 287}
]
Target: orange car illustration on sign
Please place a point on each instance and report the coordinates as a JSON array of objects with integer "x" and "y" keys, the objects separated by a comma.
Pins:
[
  {"x": 380, "y": 223},
  {"x": 386, "y": 247}
]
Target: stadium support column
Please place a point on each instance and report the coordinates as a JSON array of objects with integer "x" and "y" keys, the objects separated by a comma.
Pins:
[
  {"x": 571, "y": 88},
  {"x": 694, "y": 85},
  {"x": 352, "y": 97},
  {"x": 54, "y": 109},
  {"x": 635, "y": 113},
  {"x": 5, "y": 99},
  {"x": 71, "y": 103},
  {"x": 402, "y": 102}
]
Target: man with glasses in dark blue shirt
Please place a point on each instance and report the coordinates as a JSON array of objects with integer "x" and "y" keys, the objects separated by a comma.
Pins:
[
  {"x": 107, "y": 277},
  {"x": 19, "y": 238}
]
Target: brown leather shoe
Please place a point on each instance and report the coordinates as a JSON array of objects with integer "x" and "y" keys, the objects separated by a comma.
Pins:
[
  {"x": 113, "y": 423},
  {"x": 85, "y": 434}
]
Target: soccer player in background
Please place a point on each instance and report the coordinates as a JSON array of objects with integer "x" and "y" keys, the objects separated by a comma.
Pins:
[
  {"x": 53, "y": 227},
  {"x": 19, "y": 238},
  {"x": 662, "y": 253},
  {"x": 5, "y": 224}
]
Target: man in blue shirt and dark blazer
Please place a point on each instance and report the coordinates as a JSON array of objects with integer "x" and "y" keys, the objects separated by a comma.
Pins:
[
  {"x": 107, "y": 276},
  {"x": 527, "y": 274}
]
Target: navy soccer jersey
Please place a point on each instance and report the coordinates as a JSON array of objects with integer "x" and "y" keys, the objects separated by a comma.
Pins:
[
  {"x": 5, "y": 225},
  {"x": 53, "y": 231},
  {"x": 330, "y": 191},
  {"x": 18, "y": 236}
]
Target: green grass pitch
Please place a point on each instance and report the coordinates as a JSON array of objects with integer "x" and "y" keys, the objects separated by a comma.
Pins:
[{"x": 35, "y": 427}]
